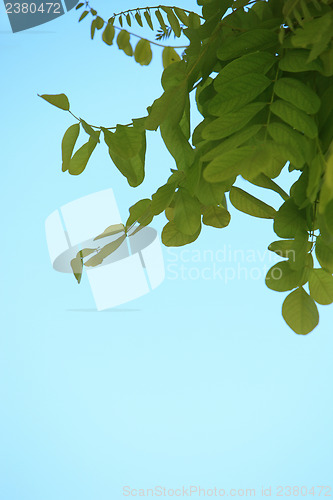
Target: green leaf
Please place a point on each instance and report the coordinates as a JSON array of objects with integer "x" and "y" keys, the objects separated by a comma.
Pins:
[
  {"x": 58, "y": 100},
  {"x": 138, "y": 19},
  {"x": 90, "y": 131},
  {"x": 126, "y": 142},
  {"x": 140, "y": 212},
  {"x": 128, "y": 20},
  {"x": 174, "y": 23},
  {"x": 148, "y": 19},
  {"x": 286, "y": 248},
  {"x": 124, "y": 43},
  {"x": 328, "y": 214},
  {"x": 181, "y": 14},
  {"x": 324, "y": 253},
  {"x": 231, "y": 143},
  {"x": 289, "y": 220},
  {"x": 295, "y": 117},
  {"x": 231, "y": 122},
  {"x": 209, "y": 193},
  {"x": 258, "y": 62},
  {"x": 79, "y": 5},
  {"x": 162, "y": 198},
  {"x": 265, "y": 182},
  {"x": 300, "y": 312},
  {"x": 93, "y": 28},
  {"x": 297, "y": 93},
  {"x": 248, "y": 204},
  {"x": 68, "y": 143},
  {"x": 234, "y": 94},
  {"x": 108, "y": 34},
  {"x": 296, "y": 61},
  {"x": 81, "y": 157},
  {"x": 77, "y": 266},
  {"x": 292, "y": 140},
  {"x": 321, "y": 286},
  {"x": 161, "y": 20},
  {"x": 170, "y": 106},
  {"x": 143, "y": 54},
  {"x": 83, "y": 15},
  {"x": 227, "y": 165},
  {"x": 99, "y": 23},
  {"x": 111, "y": 230},
  {"x": 169, "y": 56},
  {"x": 216, "y": 217},
  {"x": 250, "y": 41},
  {"x": 187, "y": 212},
  {"x": 281, "y": 277},
  {"x": 105, "y": 252},
  {"x": 172, "y": 237}
]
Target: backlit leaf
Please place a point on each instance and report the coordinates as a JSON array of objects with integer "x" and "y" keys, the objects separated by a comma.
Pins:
[
  {"x": 58, "y": 100},
  {"x": 68, "y": 143},
  {"x": 248, "y": 204},
  {"x": 300, "y": 312}
]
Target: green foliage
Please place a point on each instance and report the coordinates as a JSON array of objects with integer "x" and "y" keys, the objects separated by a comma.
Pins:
[{"x": 262, "y": 73}]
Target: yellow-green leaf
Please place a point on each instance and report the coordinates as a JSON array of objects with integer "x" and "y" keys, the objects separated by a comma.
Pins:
[
  {"x": 321, "y": 286},
  {"x": 68, "y": 143},
  {"x": 300, "y": 312},
  {"x": 248, "y": 204},
  {"x": 58, "y": 100}
]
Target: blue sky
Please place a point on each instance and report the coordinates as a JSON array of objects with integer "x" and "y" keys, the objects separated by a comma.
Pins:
[{"x": 199, "y": 382}]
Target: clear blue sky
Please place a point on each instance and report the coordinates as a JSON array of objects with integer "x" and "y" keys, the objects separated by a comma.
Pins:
[{"x": 198, "y": 383}]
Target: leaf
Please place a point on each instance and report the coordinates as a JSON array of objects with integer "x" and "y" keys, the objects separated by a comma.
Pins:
[
  {"x": 93, "y": 28},
  {"x": 90, "y": 131},
  {"x": 300, "y": 312},
  {"x": 124, "y": 43},
  {"x": 174, "y": 23},
  {"x": 257, "y": 62},
  {"x": 248, "y": 204},
  {"x": 170, "y": 106},
  {"x": 99, "y": 23},
  {"x": 295, "y": 117},
  {"x": 212, "y": 193},
  {"x": 216, "y": 217},
  {"x": 287, "y": 248},
  {"x": 128, "y": 20},
  {"x": 236, "y": 93},
  {"x": 140, "y": 212},
  {"x": 58, "y": 100},
  {"x": 187, "y": 212},
  {"x": 77, "y": 267},
  {"x": 143, "y": 54},
  {"x": 292, "y": 140},
  {"x": 181, "y": 14},
  {"x": 231, "y": 122},
  {"x": 161, "y": 20},
  {"x": 281, "y": 277},
  {"x": 172, "y": 237},
  {"x": 169, "y": 56},
  {"x": 126, "y": 142},
  {"x": 324, "y": 254},
  {"x": 296, "y": 61},
  {"x": 81, "y": 157},
  {"x": 111, "y": 230},
  {"x": 148, "y": 19},
  {"x": 83, "y": 15},
  {"x": 232, "y": 142},
  {"x": 321, "y": 286},
  {"x": 108, "y": 34},
  {"x": 289, "y": 219},
  {"x": 162, "y": 198},
  {"x": 79, "y": 5},
  {"x": 250, "y": 41},
  {"x": 68, "y": 143},
  {"x": 297, "y": 93},
  {"x": 105, "y": 252},
  {"x": 265, "y": 182},
  {"x": 227, "y": 165},
  {"x": 138, "y": 19}
]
